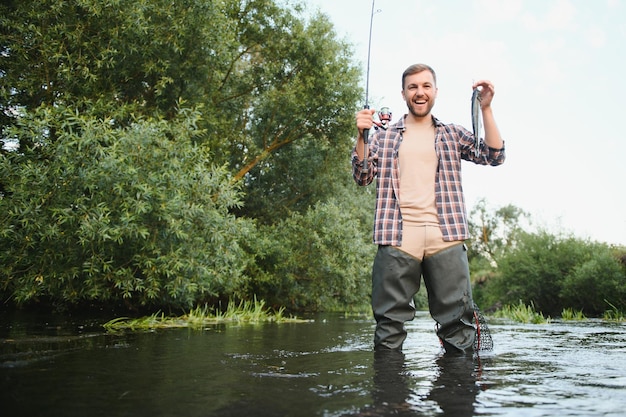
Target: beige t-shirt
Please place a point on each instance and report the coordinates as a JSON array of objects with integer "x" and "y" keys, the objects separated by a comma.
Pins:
[
  {"x": 421, "y": 234},
  {"x": 418, "y": 167}
]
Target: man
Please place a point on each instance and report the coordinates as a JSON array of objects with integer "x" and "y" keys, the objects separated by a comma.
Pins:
[{"x": 420, "y": 220}]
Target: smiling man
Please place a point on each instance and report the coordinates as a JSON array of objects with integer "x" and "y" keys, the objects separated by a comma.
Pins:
[{"x": 420, "y": 222}]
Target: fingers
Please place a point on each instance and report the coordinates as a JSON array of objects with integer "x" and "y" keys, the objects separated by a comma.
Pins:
[
  {"x": 486, "y": 86},
  {"x": 487, "y": 91},
  {"x": 364, "y": 119}
]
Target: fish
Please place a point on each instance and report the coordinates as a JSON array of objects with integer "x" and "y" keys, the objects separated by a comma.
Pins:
[{"x": 477, "y": 120}]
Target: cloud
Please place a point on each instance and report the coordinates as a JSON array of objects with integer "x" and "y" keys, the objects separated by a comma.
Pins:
[
  {"x": 498, "y": 10},
  {"x": 613, "y": 4},
  {"x": 595, "y": 36},
  {"x": 561, "y": 16},
  {"x": 548, "y": 47}
]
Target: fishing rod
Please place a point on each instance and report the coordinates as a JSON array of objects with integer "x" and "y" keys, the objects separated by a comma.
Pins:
[
  {"x": 384, "y": 115},
  {"x": 366, "y": 132}
]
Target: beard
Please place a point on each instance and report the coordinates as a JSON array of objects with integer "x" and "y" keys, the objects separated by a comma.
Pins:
[{"x": 420, "y": 113}]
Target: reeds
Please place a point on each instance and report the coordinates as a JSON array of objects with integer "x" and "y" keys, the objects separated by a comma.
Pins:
[
  {"x": 527, "y": 314},
  {"x": 522, "y": 313},
  {"x": 569, "y": 314},
  {"x": 613, "y": 314},
  {"x": 245, "y": 312}
]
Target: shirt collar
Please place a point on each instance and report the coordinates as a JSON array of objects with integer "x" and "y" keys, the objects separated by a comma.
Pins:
[{"x": 401, "y": 126}]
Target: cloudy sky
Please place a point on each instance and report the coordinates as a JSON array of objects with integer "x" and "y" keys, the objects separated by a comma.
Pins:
[{"x": 559, "y": 67}]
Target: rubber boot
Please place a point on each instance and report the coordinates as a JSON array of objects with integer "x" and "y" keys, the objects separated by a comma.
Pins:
[
  {"x": 395, "y": 281},
  {"x": 447, "y": 279}
]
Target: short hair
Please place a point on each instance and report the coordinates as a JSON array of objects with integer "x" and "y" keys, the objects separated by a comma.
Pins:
[{"x": 417, "y": 68}]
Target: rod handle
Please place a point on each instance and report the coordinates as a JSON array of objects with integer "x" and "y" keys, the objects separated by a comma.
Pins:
[{"x": 366, "y": 135}]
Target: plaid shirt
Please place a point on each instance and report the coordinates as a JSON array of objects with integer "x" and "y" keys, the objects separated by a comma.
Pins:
[{"x": 452, "y": 144}]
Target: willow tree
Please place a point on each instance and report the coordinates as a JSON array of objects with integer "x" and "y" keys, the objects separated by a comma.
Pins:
[
  {"x": 296, "y": 100},
  {"x": 277, "y": 89},
  {"x": 275, "y": 93}
]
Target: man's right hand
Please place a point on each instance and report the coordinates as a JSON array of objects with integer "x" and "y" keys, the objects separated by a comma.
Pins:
[{"x": 364, "y": 120}]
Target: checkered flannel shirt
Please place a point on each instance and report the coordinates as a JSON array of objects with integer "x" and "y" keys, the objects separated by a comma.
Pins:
[{"x": 452, "y": 144}]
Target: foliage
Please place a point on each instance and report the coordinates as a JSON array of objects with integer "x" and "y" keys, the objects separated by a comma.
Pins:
[
  {"x": 493, "y": 233},
  {"x": 113, "y": 194},
  {"x": 593, "y": 283},
  {"x": 277, "y": 91},
  {"x": 317, "y": 261},
  {"x": 557, "y": 272},
  {"x": 297, "y": 133},
  {"x": 134, "y": 214},
  {"x": 142, "y": 52}
]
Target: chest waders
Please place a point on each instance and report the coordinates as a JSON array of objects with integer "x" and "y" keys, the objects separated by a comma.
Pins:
[{"x": 396, "y": 279}]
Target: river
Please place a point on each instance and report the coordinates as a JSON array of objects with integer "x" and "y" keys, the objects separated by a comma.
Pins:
[{"x": 65, "y": 367}]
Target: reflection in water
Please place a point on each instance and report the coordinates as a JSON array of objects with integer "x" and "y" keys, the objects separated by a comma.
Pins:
[
  {"x": 391, "y": 386},
  {"x": 455, "y": 388},
  {"x": 453, "y": 392}
]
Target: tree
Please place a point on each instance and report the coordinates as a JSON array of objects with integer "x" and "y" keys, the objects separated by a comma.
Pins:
[
  {"x": 494, "y": 232},
  {"x": 266, "y": 79},
  {"x": 295, "y": 133}
]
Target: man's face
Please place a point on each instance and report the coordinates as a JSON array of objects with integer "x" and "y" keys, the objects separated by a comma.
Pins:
[{"x": 420, "y": 93}]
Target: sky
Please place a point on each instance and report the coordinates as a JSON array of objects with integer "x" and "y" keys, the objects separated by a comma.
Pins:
[{"x": 559, "y": 70}]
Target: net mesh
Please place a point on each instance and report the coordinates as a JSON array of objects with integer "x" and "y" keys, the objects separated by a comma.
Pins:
[{"x": 483, "y": 341}]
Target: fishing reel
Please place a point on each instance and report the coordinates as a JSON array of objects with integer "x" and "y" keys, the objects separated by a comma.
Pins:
[{"x": 384, "y": 118}]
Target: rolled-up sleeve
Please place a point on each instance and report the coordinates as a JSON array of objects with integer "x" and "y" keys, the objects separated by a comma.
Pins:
[
  {"x": 495, "y": 157},
  {"x": 360, "y": 176}
]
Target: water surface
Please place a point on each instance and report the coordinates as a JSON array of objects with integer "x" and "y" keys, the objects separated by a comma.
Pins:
[{"x": 61, "y": 367}]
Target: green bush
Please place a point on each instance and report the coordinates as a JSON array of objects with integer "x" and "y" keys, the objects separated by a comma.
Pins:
[
  {"x": 317, "y": 261},
  {"x": 595, "y": 285},
  {"x": 553, "y": 273},
  {"x": 104, "y": 213}
]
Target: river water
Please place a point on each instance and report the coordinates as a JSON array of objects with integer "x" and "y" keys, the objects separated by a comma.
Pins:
[{"x": 62, "y": 367}]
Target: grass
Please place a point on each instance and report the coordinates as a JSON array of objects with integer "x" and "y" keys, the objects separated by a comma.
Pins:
[
  {"x": 199, "y": 317},
  {"x": 527, "y": 314},
  {"x": 571, "y": 315},
  {"x": 613, "y": 314},
  {"x": 522, "y": 313}
]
